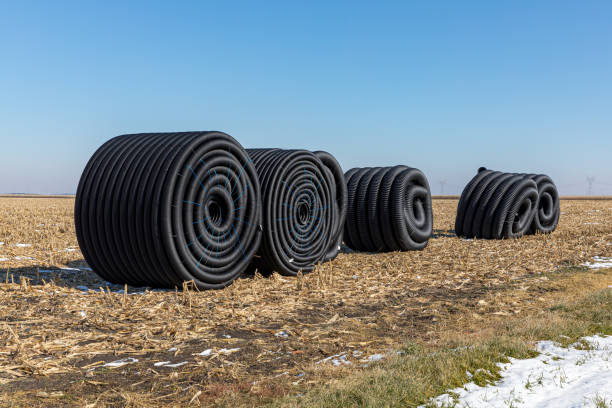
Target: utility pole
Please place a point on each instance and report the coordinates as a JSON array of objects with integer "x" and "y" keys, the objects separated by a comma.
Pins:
[
  {"x": 442, "y": 184},
  {"x": 590, "y": 181}
]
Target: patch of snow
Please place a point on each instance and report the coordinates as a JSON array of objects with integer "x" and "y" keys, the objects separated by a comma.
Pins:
[
  {"x": 70, "y": 249},
  {"x": 172, "y": 349},
  {"x": 228, "y": 351},
  {"x": 558, "y": 377},
  {"x": 175, "y": 364},
  {"x": 122, "y": 362},
  {"x": 600, "y": 263},
  {"x": 24, "y": 258},
  {"x": 226, "y": 336},
  {"x": 340, "y": 361},
  {"x": 1, "y": 243},
  {"x": 592, "y": 223},
  {"x": 23, "y": 245},
  {"x": 161, "y": 363},
  {"x": 83, "y": 313},
  {"x": 206, "y": 353},
  {"x": 3, "y": 259},
  {"x": 376, "y": 357},
  {"x": 326, "y": 359},
  {"x": 70, "y": 269},
  {"x": 282, "y": 334}
]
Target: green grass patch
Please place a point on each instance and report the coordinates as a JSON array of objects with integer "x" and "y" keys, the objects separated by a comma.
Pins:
[{"x": 422, "y": 372}]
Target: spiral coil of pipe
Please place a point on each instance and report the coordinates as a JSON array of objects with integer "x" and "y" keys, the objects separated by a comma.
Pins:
[
  {"x": 496, "y": 205},
  {"x": 159, "y": 209}
]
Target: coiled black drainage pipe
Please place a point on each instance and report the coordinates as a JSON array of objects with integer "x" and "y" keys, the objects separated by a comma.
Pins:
[
  {"x": 340, "y": 202},
  {"x": 389, "y": 209},
  {"x": 547, "y": 215},
  {"x": 158, "y": 209},
  {"x": 303, "y": 214},
  {"x": 497, "y": 205}
]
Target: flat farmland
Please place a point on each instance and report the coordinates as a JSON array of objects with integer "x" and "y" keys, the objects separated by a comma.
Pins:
[{"x": 69, "y": 338}]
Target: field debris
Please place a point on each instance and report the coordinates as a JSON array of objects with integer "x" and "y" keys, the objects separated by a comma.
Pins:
[{"x": 355, "y": 308}]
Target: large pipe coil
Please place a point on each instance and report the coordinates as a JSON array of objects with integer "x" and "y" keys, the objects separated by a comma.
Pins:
[
  {"x": 547, "y": 215},
  {"x": 159, "y": 209},
  {"x": 340, "y": 202},
  {"x": 389, "y": 209},
  {"x": 303, "y": 209},
  {"x": 497, "y": 205}
]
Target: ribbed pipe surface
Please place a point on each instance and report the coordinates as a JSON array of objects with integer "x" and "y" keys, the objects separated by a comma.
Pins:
[
  {"x": 389, "y": 209},
  {"x": 159, "y": 209},
  {"x": 497, "y": 205},
  {"x": 303, "y": 209}
]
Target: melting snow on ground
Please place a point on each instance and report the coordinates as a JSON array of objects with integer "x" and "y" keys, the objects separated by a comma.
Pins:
[
  {"x": 229, "y": 351},
  {"x": 24, "y": 258},
  {"x": 121, "y": 363},
  {"x": 558, "y": 377},
  {"x": 600, "y": 262},
  {"x": 341, "y": 358},
  {"x": 167, "y": 364}
]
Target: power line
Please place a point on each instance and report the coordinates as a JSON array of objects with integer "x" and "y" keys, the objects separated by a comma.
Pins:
[
  {"x": 442, "y": 184},
  {"x": 590, "y": 181}
]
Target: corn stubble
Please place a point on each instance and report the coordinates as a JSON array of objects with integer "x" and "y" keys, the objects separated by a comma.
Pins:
[{"x": 359, "y": 304}]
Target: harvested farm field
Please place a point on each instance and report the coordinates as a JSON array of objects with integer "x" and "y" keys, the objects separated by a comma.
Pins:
[{"x": 68, "y": 338}]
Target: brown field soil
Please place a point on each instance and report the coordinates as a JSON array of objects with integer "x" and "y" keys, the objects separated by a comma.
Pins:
[{"x": 260, "y": 338}]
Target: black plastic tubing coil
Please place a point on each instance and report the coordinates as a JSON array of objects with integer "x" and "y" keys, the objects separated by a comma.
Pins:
[
  {"x": 340, "y": 202},
  {"x": 389, "y": 209},
  {"x": 303, "y": 209},
  {"x": 159, "y": 209},
  {"x": 497, "y": 205}
]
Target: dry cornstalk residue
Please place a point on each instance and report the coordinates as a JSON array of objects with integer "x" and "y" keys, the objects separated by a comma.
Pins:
[{"x": 67, "y": 332}]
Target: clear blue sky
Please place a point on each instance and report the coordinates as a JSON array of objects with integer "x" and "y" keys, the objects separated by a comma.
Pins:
[{"x": 445, "y": 86}]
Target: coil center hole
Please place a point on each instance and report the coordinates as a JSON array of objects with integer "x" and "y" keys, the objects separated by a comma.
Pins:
[
  {"x": 215, "y": 212},
  {"x": 303, "y": 213},
  {"x": 546, "y": 204},
  {"x": 522, "y": 214}
]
